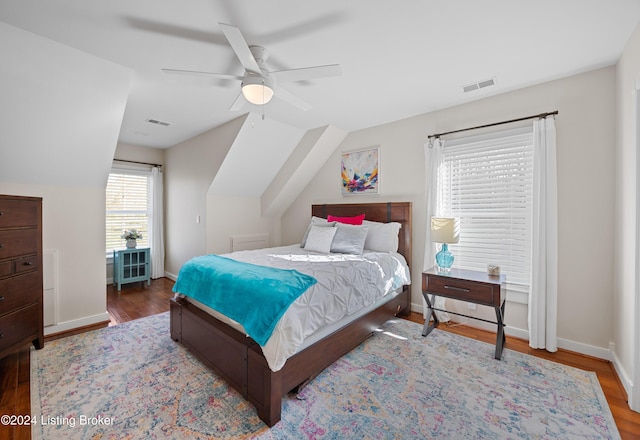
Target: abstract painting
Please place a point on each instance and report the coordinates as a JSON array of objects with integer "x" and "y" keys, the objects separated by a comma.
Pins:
[{"x": 360, "y": 172}]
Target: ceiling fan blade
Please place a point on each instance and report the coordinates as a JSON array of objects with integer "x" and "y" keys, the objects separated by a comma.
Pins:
[
  {"x": 306, "y": 73},
  {"x": 292, "y": 99},
  {"x": 195, "y": 72},
  {"x": 238, "y": 104},
  {"x": 240, "y": 47}
]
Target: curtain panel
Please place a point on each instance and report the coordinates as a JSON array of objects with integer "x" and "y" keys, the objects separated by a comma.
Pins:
[
  {"x": 157, "y": 230},
  {"x": 433, "y": 160},
  {"x": 543, "y": 294}
]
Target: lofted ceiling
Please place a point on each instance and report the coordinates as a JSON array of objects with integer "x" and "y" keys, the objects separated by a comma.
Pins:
[{"x": 398, "y": 59}]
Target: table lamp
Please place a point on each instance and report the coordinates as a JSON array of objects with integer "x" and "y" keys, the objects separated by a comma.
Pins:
[{"x": 445, "y": 230}]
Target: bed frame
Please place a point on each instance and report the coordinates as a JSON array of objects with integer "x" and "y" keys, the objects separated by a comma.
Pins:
[{"x": 238, "y": 359}]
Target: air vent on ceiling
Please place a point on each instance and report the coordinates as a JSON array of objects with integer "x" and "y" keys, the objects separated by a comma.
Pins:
[
  {"x": 155, "y": 121},
  {"x": 479, "y": 85}
]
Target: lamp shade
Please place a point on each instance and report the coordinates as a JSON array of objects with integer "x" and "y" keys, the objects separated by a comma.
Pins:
[
  {"x": 445, "y": 229},
  {"x": 257, "y": 90}
]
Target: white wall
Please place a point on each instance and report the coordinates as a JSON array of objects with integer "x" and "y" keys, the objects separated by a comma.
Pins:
[
  {"x": 60, "y": 119},
  {"x": 586, "y": 148},
  {"x": 626, "y": 329},
  {"x": 73, "y": 225},
  {"x": 228, "y": 216},
  {"x": 189, "y": 170}
]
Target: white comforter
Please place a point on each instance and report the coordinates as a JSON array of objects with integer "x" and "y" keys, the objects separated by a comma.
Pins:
[{"x": 346, "y": 284}]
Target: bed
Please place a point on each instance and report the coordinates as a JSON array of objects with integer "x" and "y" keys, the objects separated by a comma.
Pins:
[{"x": 240, "y": 360}]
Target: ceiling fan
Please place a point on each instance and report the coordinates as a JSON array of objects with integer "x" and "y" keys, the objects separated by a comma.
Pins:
[{"x": 258, "y": 85}]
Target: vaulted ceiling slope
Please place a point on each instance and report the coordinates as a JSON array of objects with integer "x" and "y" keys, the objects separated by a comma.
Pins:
[
  {"x": 398, "y": 59},
  {"x": 59, "y": 121}
]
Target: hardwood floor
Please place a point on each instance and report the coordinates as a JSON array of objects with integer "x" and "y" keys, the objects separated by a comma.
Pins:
[{"x": 136, "y": 301}]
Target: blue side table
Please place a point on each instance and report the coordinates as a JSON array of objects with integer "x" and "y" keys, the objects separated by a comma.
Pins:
[{"x": 131, "y": 265}]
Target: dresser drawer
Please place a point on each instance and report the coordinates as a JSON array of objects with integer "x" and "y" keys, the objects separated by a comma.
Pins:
[
  {"x": 19, "y": 326},
  {"x": 19, "y": 291},
  {"x": 26, "y": 264},
  {"x": 19, "y": 213},
  {"x": 14, "y": 243},
  {"x": 462, "y": 290},
  {"x": 6, "y": 268}
]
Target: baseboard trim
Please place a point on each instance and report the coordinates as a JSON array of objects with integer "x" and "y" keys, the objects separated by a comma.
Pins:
[
  {"x": 171, "y": 276},
  {"x": 565, "y": 344},
  {"x": 76, "y": 323},
  {"x": 623, "y": 377}
]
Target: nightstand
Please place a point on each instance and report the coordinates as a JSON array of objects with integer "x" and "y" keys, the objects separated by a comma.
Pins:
[
  {"x": 465, "y": 285},
  {"x": 131, "y": 265}
]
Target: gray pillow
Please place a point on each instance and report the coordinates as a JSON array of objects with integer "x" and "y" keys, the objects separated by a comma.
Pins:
[
  {"x": 349, "y": 239},
  {"x": 320, "y": 239},
  {"x": 315, "y": 221}
]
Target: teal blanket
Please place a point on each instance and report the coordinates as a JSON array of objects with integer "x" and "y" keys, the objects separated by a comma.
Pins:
[{"x": 255, "y": 296}]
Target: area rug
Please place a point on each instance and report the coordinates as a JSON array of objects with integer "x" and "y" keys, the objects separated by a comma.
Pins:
[{"x": 132, "y": 381}]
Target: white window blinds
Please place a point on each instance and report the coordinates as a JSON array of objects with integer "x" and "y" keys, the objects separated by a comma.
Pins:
[
  {"x": 487, "y": 182},
  {"x": 128, "y": 206}
]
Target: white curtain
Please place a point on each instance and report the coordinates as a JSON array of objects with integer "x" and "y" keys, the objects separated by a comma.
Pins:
[
  {"x": 433, "y": 160},
  {"x": 157, "y": 229},
  {"x": 543, "y": 296}
]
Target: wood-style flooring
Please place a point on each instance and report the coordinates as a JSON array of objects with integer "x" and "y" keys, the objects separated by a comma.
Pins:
[{"x": 136, "y": 301}]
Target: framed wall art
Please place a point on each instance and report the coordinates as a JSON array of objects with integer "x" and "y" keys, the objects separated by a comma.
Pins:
[{"x": 360, "y": 172}]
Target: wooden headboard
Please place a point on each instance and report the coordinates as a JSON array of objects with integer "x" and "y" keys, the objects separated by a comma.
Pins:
[{"x": 378, "y": 212}]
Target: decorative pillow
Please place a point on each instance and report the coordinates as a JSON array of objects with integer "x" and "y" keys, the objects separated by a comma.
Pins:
[
  {"x": 315, "y": 221},
  {"x": 319, "y": 239},
  {"x": 355, "y": 220},
  {"x": 349, "y": 239},
  {"x": 382, "y": 237}
]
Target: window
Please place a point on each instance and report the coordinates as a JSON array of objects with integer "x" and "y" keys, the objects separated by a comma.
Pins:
[
  {"x": 129, "y": 206},
  {"x": 487, "y": 182}
]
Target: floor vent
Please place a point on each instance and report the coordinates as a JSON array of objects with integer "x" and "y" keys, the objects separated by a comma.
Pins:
[{"x": 247, "y": 242}]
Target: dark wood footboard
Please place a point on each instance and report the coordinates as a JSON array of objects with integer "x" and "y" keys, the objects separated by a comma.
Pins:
[{"x": 238, "y": 359}]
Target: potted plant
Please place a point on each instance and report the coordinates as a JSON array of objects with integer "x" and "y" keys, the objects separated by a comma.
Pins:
[{"x": 131, "y": 235}]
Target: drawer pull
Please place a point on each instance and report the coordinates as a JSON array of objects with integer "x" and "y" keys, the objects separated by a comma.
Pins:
[
  {"x": 1, "y": 213},
  {"x": 1, "y": 335},
  {"x": 1, "y": 298},
  {"x": 27, "y": 263},
  {"x": 1, "y": 245},
  {"x": 457, "y": 289}
]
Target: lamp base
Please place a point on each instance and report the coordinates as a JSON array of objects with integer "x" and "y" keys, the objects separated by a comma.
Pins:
[{"x": 444, "y": 259}]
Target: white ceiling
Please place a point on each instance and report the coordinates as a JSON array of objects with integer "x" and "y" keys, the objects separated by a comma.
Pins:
[{"x": 398, "y": 58}]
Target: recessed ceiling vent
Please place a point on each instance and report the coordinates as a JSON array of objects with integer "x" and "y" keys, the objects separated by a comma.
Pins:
[
  {"x": 479, "y": 85},
  {"x": 155, "y": 121}
]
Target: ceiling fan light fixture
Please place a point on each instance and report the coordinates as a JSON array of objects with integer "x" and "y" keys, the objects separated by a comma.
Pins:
[{"x": 257, "y": 90}]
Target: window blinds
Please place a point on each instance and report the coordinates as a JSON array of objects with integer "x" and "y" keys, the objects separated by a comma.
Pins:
[
  {"x": 128, "y": 206},
  {"x": 487, "y": 183}
]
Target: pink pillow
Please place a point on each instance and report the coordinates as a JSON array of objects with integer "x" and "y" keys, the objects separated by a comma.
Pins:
[{"x": 355, "y": 220}]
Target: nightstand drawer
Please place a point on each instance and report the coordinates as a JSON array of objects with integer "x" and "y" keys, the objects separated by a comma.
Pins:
[{"x": 462, "y": 290}]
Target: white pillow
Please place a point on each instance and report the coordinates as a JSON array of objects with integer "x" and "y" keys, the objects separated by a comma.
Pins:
[
  {"x": 320, "y": 239},
  {"x": 349, "y": 239},
  {"x": 315, "y": 221},
  {"x": 382, "y": 237}
]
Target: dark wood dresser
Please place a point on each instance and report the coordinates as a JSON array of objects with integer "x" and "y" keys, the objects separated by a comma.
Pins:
[{"x": 21, "y": 312}]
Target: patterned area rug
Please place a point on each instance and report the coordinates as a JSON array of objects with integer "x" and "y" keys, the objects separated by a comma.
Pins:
[{"x": 132, "y": 381}]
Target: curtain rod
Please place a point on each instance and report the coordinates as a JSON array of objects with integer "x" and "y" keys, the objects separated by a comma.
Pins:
[
  {"x": 540, "y": 116},
  {"x": 139, "y": 163}
]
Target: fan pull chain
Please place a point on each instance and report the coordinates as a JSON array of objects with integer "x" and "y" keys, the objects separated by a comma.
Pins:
[{"x": 263, "y": 100}]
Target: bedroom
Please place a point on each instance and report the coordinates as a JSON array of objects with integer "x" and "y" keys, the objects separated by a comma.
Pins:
[{"x": 595, "y": 124}]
